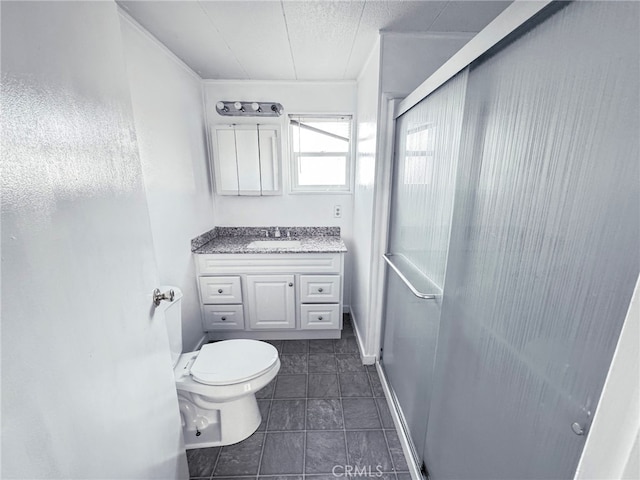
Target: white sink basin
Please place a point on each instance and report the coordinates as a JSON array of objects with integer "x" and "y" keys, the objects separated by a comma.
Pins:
[{"x": 274, "y": 244}]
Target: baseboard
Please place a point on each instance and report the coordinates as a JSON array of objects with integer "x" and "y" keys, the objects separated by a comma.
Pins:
[
  {"x": 366, "y": 358},
  {"x": 402, "y": 434},
  {"x": 201, "y": 342}
]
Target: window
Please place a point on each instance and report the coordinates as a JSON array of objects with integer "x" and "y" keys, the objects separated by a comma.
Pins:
[{"x": 320, "y": 153}]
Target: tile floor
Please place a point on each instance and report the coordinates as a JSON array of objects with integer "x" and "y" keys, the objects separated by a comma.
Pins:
[{"x": 323, "y": 412}]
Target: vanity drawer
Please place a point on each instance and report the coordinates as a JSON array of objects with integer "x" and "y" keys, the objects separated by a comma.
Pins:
[
  {"x": 223, "y": 317},
  {"x": 220, "y": 290},
  {"x": 320, "y": 288},
  {"x": 321, "y": 317}
]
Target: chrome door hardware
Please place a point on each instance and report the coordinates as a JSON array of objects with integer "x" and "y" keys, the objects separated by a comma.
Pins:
[{"x": 158, "y": 297}]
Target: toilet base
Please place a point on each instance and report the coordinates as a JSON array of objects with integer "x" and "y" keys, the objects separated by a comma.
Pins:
[{"x": 218, "y": 424}]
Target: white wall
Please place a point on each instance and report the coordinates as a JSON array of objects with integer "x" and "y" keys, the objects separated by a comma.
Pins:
[
  {"x": 408, "y": 59},
  {"x": 286, "y": 210},
  {"x": 368, "y": 111},
  {"x": 398, "y": 64},
  {"x": 169, "y": 118},
  {"x": 87, "y": 385}
]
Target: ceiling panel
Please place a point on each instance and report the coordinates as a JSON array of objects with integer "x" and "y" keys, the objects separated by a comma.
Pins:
[
  {"x": 410, "y": 16},
  {"x": 186, "y": 31},
  {"x": 461, "y": 16},
  {"x": 256, "y": 33},
  {"x": 321, "y": 35},
  {"x": 295, "y": 39}
]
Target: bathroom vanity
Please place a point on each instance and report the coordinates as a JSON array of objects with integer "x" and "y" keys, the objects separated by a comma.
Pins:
[{"x": 286, "y": 287}]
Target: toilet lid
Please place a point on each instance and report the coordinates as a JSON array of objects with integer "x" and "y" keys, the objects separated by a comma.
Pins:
[{"x": 232, "y": 361}]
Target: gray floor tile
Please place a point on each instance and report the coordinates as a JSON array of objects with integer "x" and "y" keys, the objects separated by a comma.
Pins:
[
  {"x": 403, "y": 476},
  {"x": 283, "y": 453},
  {"x": 345, "y": 345},
  {"x": 291, "y": 386},
  {"x": 295, "y": 346},
  {"x": 322, "y": 363},
  {"x": 368, "y": 448},
  {"x": 281, "y": 477},
  {"x": 360, "y": 413},
  {"x": 348, "y": 331},
  {"x": 202, "y": 461},
  {"x": 324, "y": 414},
  {"x": 276, "y": 343},
  {"x": 395, "y": 449},
  {"x": 242, "y": 458},
  {"x": 320, "y": 346},
  {"x": 264, "y": 406},
  {"x": 385, "y": 413},
  {"x": 287, "y": 415},
  {"x": 355, "y": 385},
  {"x": 266, "y": 392},
  {"x": 349, "y": 363},
  {"x": 252, "y": 477},
  {"x": 323, "y": 385},
  {"x": 324, "y": 451},
  {"x": 371, "y": 368},
  {"x": 376, "y": 385},
  {"x": 293, "y": 363}
]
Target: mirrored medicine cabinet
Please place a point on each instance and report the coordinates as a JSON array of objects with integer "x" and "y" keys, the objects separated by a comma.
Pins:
[{"x": 246, "y": 159}]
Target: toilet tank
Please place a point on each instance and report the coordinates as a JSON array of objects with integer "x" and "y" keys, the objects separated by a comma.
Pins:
[{"x": 172, "y": 312}]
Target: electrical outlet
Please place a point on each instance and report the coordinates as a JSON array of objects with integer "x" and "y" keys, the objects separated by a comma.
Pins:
[{"x": 337, "y": 211}]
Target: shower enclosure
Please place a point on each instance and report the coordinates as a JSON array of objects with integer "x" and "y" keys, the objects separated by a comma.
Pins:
[{"x": 513, "y": 245}]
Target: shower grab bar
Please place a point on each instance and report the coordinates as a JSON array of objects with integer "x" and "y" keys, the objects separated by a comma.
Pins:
[{"x": 414, "y": 290}]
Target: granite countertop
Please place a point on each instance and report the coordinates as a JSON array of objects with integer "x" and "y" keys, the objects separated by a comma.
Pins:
[{"x": 237, "y": 240}]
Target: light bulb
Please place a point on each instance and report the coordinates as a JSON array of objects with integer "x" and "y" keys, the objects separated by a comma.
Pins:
[
  {"x": 237, "y": 105},
  {"x": 255, "y": 106}
]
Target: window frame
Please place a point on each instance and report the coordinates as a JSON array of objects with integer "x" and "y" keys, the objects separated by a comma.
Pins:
[{"x": 294, "y": 186}]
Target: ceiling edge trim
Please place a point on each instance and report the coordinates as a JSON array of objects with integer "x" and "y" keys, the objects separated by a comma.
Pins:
[{"x": 165, "y": 50}]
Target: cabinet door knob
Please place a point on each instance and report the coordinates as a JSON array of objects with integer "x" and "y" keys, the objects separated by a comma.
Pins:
[
  {"x": 291, "y": 284},
  {"x": 223, "y": 318},
  {"x": 319, "y": 318},
  {"x": 219, "y": 290},
  {"x": 320, "y": 290}
]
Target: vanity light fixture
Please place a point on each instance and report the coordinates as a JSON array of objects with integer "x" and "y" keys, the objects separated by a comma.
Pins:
[{"x": 249, "y": 109}]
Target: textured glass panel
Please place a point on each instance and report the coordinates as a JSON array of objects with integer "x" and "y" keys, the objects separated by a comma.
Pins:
[
  {"x": 424, "y": 179},
  {"x": 544, "y": 246},
  {"x": 422, "y": 202}
]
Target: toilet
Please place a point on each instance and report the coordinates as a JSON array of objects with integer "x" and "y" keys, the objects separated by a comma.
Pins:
[{"x": 217, "y": 384}]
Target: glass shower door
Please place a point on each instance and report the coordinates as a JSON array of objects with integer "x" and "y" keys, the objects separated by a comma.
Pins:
[
  {"x": 424, "y": 175},
  {"x": 544, "y": 252}
]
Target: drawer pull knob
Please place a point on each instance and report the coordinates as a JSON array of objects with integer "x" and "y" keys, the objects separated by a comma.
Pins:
[
  {"x": 219, "y": 290},
  {"x": 319, "y": 318},
  {"x": 223, "y": 318},
  {"x": 320, "y": 290},
  {"x": 291, "y": 284}
]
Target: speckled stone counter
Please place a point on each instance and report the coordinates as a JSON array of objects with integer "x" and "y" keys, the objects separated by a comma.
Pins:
[{"x": 238, "y": 239}]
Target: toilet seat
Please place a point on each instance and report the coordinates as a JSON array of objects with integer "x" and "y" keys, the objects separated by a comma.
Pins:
[{"x": 233, "y": 361}]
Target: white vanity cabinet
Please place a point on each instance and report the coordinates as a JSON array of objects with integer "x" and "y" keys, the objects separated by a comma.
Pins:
[{"x": 271, "y": 295}]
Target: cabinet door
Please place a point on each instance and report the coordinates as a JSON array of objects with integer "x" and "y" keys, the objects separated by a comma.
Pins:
[
  {"x": 226, "y": 170},
  {"x": 271, "y": 301},
  {"x": 248, "y": 158},
  {"x": 269, "y": 147}
]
